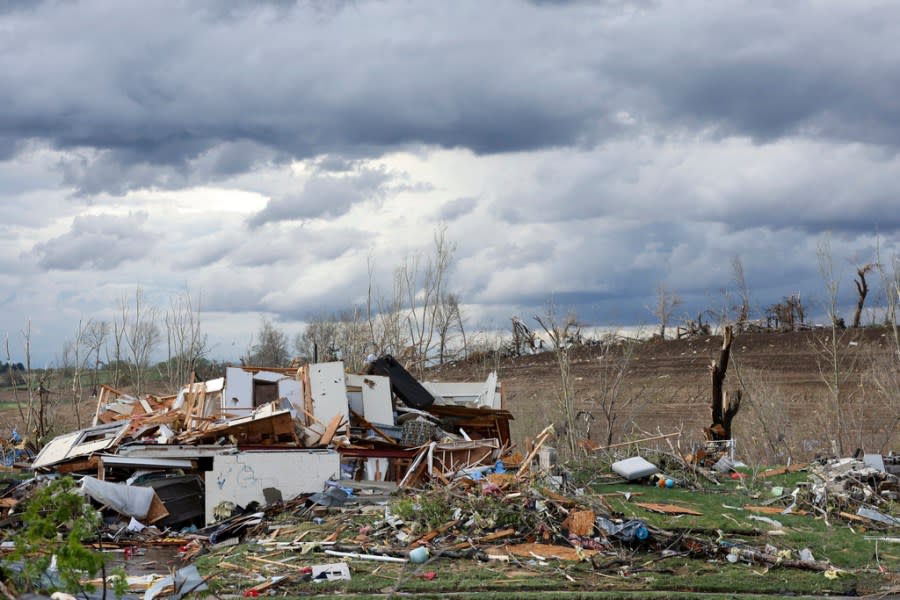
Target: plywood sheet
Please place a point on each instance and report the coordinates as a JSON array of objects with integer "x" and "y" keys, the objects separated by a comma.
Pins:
[
  {"x": 328, "y": 390},
  {"x": 377, "y": 406},
  {"x": 668, "y": 509},
  {"x": 238, "y": 396}
]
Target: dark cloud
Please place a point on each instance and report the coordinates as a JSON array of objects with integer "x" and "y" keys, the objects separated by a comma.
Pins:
[
  {"x": 204, "y": 252},
  {"x": 810, "y": 186},
  {"x": 764, "y": 70},
  {"x": 236, "y": 297},
  {"x": 155, "y": 87},
  {"x": 457, "y": 208},
  {"x": 9, "y": 147},
  {"x": 162, "y": 85},
  {"x": 99, "y": 242},
  {"x": 324, "y": 196}
]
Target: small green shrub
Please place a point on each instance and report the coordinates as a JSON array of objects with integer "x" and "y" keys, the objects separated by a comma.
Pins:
[{"x": 56, "y": 522}]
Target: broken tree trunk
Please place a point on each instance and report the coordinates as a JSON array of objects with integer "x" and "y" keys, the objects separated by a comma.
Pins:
[
  {"x": 862, "y": 290},
  {"x": 723, "y": 408}
]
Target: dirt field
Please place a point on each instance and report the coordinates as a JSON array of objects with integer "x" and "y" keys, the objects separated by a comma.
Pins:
[{"x": 787, "y": 412}]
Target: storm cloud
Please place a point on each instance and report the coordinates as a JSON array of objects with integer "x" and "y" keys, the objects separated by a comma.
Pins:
[{"x": 274, "y": 154}]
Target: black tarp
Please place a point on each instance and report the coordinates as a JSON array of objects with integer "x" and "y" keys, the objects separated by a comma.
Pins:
[{"x": 404, "y": 385}]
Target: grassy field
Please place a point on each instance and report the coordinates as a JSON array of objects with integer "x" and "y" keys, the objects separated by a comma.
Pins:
[{"x": 645, "y": 570}]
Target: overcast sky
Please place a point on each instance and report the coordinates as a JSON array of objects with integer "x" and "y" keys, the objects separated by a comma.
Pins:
[{"x": 261, "y": 153}]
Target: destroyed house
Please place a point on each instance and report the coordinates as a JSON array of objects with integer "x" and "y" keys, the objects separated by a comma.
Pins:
[{"x": 266, "y": 435}]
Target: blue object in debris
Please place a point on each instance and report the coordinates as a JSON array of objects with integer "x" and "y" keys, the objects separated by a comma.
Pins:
[{"x": 628, "y": 531}]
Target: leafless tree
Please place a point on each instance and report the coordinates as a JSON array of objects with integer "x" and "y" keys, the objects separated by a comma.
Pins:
[
  {"x": 607, "y": 394},
  {"x": 862, "y": 290},
  {"x": 448, "y": 316},
  {"x": 185, "y": 341},
  {"x": 141, "y": 337},
  {"x": 423, "y": 285},
  {"x": 115, "y": 350},
  {"x": 666, "y": 303},
  {"x": 74, "y": 360},
  {"x": 342, "y": 336},
  {"x": 788, "y": 315},
  {"x": 831, "y": 345},
  {"x": 523, "y": 338},
  {"x": 95, "y": 335},
  {"x": 353, "y": 338},
  {"x": 385, "y": 314},
  {"x": 25, "y": 411},
  {"x": 34, "y": 413},
  {"x": 890, "y": 282},
  {"x": 886, "y": 369},
  {"x": 743, "y": 291},
  {"x": 406, "y": 322},
  {"x": 559, "y": 332},
  {"x": 271, "y": 347},
  {"x": 766, "y": 434},
  {"x": 319, "y": 341}
]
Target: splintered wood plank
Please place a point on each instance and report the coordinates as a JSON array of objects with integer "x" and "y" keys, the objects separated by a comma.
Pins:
[
  {"x": 157, "y": 510},
  {"x": 546, "y": 551},
  {"x": 262, "y": 587},
  {"x": 434, "y": 533},
  {"x": 772, "y": 510},
  {"x": 331, "y": 429},
  {"x": 782, "y": 470},
  {"x": 667, "y": 509},
  {"x": 497, "y": 535}
]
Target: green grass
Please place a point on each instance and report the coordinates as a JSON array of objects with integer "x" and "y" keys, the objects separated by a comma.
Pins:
[
  {"x": 644, "y": 574},
  {"x": 842, "y": 544}
]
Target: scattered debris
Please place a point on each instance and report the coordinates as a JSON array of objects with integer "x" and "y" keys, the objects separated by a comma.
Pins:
[{"x": 380, "y": 471}]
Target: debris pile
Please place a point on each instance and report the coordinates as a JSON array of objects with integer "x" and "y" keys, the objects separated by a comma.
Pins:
[
  {"x": 265, "y": 435},
  {"x": 851, "y": 489},
  {"x": 270, "y": 480}
]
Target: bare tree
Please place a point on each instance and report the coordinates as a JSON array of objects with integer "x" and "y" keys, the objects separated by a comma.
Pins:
[
  {"x": 74, "y": 361},
  {"x": 271, "y": 348},
  {"x": 768, "y": 436},
  {"x": 95, "y": 335},
  {"x": 185, "y": 341},
  {"x": 25, "y": 412},
  {"x": 115, "y": 351},
  {"x": 830, "y": 347},
  {"x": 723, "y": 407},
  {"x": 424, "y": 291},
  {"x": 343, "y": 336},
  {"x": 890, "y": 281},
  {"x": 862, "y": 290},
  {"x": 406, "y": 323},
  {"x": 743, "y": 292},
  {"x": 788, "y": 315},
  {"x": 666, "y": 303},
  {"x": 523, "y": 338},
  {"x": 141, "y": 336},
  {"x": 353, "y": 338},
  {"x": 319, "y": 341},
  {"x": 560, "y": 332},
  {"x": 448, "y": 316},
  {"x": 385, "y": 314},
  {"x": 34, "y": 414},
  {"x": 886, "y": 369},
  {"x": 607, "y": 394}
]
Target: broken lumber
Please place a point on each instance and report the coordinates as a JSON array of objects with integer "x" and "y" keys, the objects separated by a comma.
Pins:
[{"x": 541, "y": 439}]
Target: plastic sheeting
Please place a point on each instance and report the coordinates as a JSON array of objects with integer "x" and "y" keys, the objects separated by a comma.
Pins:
[{"x": 129, "y": 500}]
